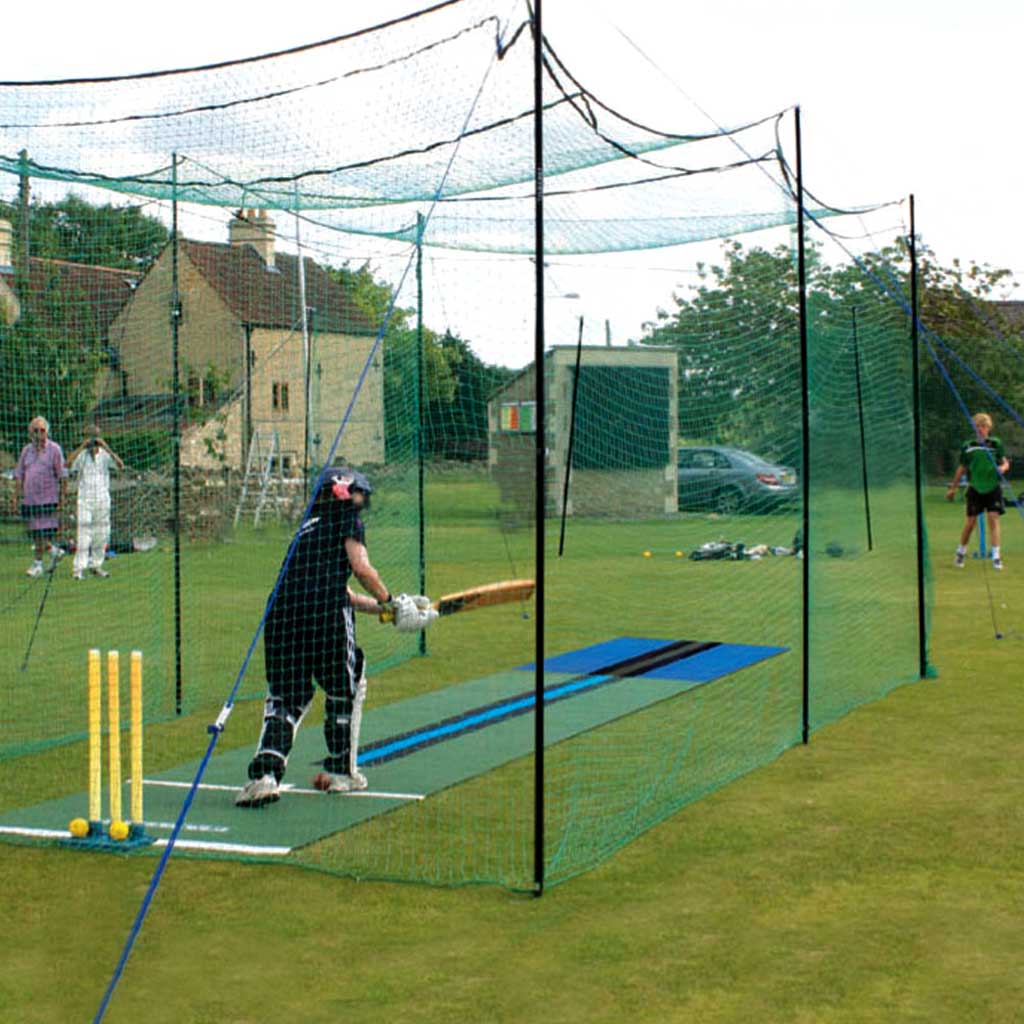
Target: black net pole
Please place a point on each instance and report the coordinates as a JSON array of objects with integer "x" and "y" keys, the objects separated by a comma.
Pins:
[
  {"x": 863, "y": 443},
  {"x": 540, "y": 455},
  {"x": 23, "y": 263},
  {"x": 805, "y": 431},
  {"x": 176, "y": 431},
  {"x": 421, "y": 418},
  {"x": 915, "y": 347},
  {"x": 572, "y": 439}
]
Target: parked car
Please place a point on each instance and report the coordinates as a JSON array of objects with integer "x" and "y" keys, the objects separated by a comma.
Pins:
[{"x": 731, "y": 480}]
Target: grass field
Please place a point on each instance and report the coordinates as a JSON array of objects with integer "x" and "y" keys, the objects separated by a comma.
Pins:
[{"x": 875, "y": 875}]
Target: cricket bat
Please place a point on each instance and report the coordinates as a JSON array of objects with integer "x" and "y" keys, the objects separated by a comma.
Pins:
[{"x": 504, "y": 592}]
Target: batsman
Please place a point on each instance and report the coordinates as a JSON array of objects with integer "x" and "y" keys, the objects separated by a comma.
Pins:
[{"x": 309, "y": 638}]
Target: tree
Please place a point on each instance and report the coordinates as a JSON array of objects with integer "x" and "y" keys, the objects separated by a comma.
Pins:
[
  {"x": 80, "y": 232},
  {"x": 38, "y": 359},
  {"x": 738, "y": 341},
  {"x": 459, "y": 426},
  {"x": 402, "y": 363},
  {"x": 50, "y": 356},
  {"x": 971, "y": 334}
]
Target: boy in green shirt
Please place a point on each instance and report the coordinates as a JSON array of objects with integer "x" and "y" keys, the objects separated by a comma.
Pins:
[{"x": 983, "y": 460}]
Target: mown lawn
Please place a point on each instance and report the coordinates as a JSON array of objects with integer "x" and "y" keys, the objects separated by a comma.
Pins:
[{"x": 876, "y": 875}]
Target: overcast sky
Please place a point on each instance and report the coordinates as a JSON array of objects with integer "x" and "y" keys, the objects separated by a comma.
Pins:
[{"x": 896, "y": 96}]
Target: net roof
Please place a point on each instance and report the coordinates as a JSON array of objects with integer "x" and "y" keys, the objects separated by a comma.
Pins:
[{"x": 430, "y": 115}]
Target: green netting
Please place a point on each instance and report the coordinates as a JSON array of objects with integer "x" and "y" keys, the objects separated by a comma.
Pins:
[
  {"x": 864, "y": 515},
  {"x": 240, "y": 274}
]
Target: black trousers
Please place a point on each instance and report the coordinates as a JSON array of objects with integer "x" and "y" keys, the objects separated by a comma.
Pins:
[{"x": 306, "y": 646}]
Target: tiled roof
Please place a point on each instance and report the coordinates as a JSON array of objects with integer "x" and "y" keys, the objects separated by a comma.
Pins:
[
  {"x": 75, "y": 298},
  {"x": 1012, "y": 310},
  {"x": 266, "y": 297}
]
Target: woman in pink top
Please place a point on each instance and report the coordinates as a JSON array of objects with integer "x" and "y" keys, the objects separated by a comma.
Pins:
[{"x": 40, "y": 482}]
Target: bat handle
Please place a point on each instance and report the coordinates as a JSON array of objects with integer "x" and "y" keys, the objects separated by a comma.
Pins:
[{"x": 387, "y": 615}]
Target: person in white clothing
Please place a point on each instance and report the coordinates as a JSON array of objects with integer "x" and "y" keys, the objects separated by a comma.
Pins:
[{"x": 90, "y": 464}]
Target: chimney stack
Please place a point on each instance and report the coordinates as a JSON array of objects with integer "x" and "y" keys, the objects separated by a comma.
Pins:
[
  {"x": 10, "y": 308},
  {"x": 6, "y": 245},
  {"x": 255, "y": 228}
]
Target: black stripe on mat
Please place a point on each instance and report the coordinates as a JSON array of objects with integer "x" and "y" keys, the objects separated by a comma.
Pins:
[{"x": 522, "y": 703}]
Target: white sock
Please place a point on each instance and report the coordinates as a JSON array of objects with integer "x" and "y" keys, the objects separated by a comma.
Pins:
[
  {"x": 995, "y": 551},
  {"x": 961, "y": 549}
]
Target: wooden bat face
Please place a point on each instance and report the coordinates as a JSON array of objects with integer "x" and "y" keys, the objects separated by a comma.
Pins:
[
  {"x": 504, "y": 592},
  {"x": 481, "y": 597}
]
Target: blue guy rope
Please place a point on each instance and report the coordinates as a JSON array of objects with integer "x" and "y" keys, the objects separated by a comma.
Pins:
[{"x": 217, "y": 727}]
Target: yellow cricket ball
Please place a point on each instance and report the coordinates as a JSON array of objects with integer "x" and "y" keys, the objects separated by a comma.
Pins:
[
  {"x": 118, "y": 830},
  {"x": 679, "y": 554},
  {"x": 78, "y": 827},
  {"x": 647, "y": 554}
]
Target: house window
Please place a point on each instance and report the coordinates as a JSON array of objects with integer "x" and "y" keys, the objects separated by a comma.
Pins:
[
  {"x": 518, "y": 417},
  {"x": 279, "y": 395}
]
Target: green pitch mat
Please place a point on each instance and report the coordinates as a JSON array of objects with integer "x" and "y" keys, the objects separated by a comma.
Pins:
[{"x": 410, "y": 750}]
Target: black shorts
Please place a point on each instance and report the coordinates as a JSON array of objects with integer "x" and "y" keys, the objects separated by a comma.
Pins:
[
  {"x": 303, "y": 645},
  {"x": 990, "y": 501}
]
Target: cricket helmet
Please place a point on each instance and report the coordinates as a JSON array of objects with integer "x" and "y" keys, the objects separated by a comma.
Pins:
[{"x": 341, "y": 481}]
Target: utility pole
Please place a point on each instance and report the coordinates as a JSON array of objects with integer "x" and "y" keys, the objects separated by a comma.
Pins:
[{"x": 21, "y": 269}]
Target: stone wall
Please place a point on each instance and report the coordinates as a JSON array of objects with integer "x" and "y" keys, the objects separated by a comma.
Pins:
[{"x": 143, "y": 505}]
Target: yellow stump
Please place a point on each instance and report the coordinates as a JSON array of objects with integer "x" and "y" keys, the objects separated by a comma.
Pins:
[
  {"x": 114, "y": 726},
  {"x": 136, "y": 736},
  {"x": 95, "y": 738}
]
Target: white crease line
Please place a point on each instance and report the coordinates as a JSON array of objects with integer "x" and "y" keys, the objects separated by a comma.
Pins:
[
  {"x": 186, "y": 827},
  {"x": 170, "y": 824},
  {"x": 287, "y": 787},
  {"x": 42, "y": 833},
  {"x": 185, "y": 844},
  {"x": 197, "y": 844}
]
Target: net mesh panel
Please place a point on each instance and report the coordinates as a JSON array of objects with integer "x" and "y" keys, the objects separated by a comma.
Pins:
[
  {"x": 312, "y": 329},
  {"x": 863, "y": 515}
]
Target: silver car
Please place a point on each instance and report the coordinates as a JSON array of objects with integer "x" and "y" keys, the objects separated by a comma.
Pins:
[{"x": 730, "y": 480}]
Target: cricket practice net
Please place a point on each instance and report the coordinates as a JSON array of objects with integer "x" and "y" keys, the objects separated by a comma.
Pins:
[{"x": 238, "y": 276}]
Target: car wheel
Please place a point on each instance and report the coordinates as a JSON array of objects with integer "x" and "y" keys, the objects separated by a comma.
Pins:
[{"x": 729, "y": 501}]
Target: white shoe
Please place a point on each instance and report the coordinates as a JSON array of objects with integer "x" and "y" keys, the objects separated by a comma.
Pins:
[
  {"x": 35, "y": 570},
  {"x": 997, "y": 563},
  {"x": 102, "y": 573},
  {"x": 56, "y": 553},
  {"x": 77, "y": 576},
  {"x": 958, "y": 560},
  {"x": 327, "y": 782},
  {"x": 259, "y": 792}
]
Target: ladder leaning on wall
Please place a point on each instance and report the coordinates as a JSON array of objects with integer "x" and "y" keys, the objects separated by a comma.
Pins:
[{"x": 262, "y": 468}]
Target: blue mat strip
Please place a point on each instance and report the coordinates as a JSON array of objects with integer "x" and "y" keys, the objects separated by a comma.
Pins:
[
  {"x": 633, "y": 658},
  {"x": 708, "y": 665},
  {"x": 472, "y": 720}
]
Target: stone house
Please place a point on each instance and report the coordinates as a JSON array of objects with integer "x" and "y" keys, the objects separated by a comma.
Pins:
[{"x": 254, "y": 370}]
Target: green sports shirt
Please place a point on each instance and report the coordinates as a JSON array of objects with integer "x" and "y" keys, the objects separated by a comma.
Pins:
[{"x": 980, "y": 459}]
